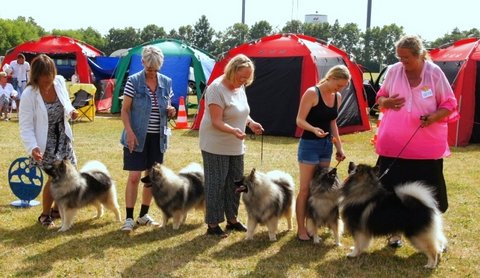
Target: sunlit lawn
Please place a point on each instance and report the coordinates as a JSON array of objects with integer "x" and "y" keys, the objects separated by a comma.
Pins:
[{"x": 97, "y": 248}]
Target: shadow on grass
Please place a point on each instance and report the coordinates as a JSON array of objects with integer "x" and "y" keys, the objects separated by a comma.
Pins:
[
  {"x": 380, "y": 263},
  {"x": 164, "y": 261},
  {"x": 291, "y": 253},
  {"x": 79, "y": 247},
  {"x": 37, "y": 233}
]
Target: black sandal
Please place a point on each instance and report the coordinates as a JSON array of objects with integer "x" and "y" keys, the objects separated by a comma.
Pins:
[{"x": 46, "y": 220}]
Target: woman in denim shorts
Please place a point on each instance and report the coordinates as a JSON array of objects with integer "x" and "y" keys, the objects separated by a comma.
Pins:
[{"x": 317, "y": 116}]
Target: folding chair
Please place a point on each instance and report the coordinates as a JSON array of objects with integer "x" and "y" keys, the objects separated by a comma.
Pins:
[{"x": 84, "y": 100}]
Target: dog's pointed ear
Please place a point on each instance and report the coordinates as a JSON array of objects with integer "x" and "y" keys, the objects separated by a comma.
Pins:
[
  {"x": 333, "y": 171},
  {"x": 252, "y": 174},
  {"x": 351, "y": 166},
  {"x": 146, "y": 179}
]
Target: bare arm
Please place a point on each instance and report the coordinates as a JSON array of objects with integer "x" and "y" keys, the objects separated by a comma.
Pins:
[
  {"x": 339, "y": 155},
  {"x": 216, "y": 114},
  {"x": 132, "y": 141}
]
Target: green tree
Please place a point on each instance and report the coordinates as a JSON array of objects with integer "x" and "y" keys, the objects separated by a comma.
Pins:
[
  {"x": 379, "y": 46},
  {"x": 152, "y": 32},
  {"x": 348, "y": 39},
  {"x": 320, "y": 31},
  {"x": 293, "y": 26},
  {"x": 454, "y": 36},
  {"x": 18, "y": 31},
  {"x": 259, "y": 30},
  {"x": 185, "y": 33},
  {"x": 203, "y": 34},
  {"x": 121, "y": 39},
  {"x": 89, "y": 36},
  {"x": 173, "y": 34},
  {"x": 234, "y": 36}
]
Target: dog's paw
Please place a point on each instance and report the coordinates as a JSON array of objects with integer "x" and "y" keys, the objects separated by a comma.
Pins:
[
  {"x": 430, "y": 266},
  {"x": 63, "y": 229},
  {"x": 353, "y": 254}
]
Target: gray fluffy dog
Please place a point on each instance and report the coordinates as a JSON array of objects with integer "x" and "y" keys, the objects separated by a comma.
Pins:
[
  {"x": 176, "y": 194},
  {"x": 323, "y": 204},
  {"x": 72, "y": 189},
  {"x": 267, "y": 197}
]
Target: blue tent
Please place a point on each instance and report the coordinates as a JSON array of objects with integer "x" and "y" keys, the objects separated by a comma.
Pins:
[{"x": 179, "y": 58}]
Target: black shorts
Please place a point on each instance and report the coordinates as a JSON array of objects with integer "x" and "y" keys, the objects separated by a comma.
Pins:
[{"x": 140, "y": 161}]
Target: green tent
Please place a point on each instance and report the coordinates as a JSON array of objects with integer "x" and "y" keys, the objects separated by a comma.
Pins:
[{"x": 180, "y": 59}]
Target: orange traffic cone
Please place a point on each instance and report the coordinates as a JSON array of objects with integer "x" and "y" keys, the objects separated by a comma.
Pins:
[
  {"x": 380, "y": 116},
  {"x": 181, "y": 115}
]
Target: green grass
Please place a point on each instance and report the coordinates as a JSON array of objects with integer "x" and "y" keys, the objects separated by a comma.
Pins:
[{"x": 97, "y": 248}]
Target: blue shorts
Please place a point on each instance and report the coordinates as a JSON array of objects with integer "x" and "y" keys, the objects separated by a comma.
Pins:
[
  {"x": 315, "y": 151},
  {"x": 140, "y": 161}
]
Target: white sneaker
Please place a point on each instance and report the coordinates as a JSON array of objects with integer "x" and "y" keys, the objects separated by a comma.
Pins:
[
  {"x": 128, "y": 225},
  {"x": 146, "y": 220}
]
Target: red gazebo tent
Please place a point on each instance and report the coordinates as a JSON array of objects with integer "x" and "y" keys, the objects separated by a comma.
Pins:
[
  {"x": 62, "y": 49},
  {"x": 461, "y": 63},
  {"x": 285, "y": 66}
]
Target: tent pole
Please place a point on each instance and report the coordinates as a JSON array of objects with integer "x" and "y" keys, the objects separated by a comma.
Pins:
[{"x": 458, "y": 121}]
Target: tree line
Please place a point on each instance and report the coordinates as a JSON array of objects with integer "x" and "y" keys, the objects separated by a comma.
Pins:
[{"x": 372, "y": 48}]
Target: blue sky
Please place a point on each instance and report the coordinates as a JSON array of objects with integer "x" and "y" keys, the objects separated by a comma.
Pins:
[{"x": 428, "y": 18}]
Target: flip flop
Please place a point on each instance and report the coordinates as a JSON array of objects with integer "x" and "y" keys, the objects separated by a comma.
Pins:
[{"x": 301, "y": 239}]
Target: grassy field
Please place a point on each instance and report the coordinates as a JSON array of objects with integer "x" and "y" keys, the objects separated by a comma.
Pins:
[{"x": 97, "y": 248}]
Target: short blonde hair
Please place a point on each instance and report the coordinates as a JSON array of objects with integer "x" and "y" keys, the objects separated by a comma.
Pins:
[
  {"x": 412, "y": 43},
  {"x": 337, "y": 72},
  {"x": 3, "y": 74},
  {"x": 235, "y": 64}
]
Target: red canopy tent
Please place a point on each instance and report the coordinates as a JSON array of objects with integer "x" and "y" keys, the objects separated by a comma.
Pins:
[
  {"x": 461, "y": 63},
  {"x": 285, "y": 66},
  {"x": 67, "y": 52}
]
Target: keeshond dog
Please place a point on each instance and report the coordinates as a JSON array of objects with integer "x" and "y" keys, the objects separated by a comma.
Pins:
[
  {"x": 369, "y": 210},
  {"x": 176, "y": 194},
  {"x": 72, "y": 189},
  {"x": 323, "y": 203},
  {"x": 267, "y": 197}
]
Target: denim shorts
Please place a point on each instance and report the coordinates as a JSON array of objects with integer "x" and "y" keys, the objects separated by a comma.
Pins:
[
  {"x": 315, "y": 151},
  {"x": 140, "y": 161}
]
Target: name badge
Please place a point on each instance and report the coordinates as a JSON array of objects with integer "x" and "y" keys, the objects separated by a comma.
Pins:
[
  {"x": 167, "y": 131},
  {"x": 427, "y": 92}
]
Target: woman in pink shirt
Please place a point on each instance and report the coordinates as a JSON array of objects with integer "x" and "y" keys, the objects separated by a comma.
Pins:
[{"x": 412, "y": 138}]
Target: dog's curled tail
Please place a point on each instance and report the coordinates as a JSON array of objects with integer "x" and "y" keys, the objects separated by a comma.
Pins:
[
  {"x": 192, "y": 168},
  {"x": 282, "y": 178},
  {"x": 417, "y": 190},
  {"x": 94, "y": 165}
]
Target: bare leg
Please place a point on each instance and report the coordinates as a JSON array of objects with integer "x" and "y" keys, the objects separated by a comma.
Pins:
[
  {"x": 306, "y": 174},
  {"x": 47, "y": 199},
  {"x": 132, "y": 188}
]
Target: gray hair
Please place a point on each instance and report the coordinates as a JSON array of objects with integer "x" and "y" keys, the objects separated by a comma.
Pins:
[{"x": 152, "y": 57}]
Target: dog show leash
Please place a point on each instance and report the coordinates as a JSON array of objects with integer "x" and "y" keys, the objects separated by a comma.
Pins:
[{"x": 398, "y": 155}]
